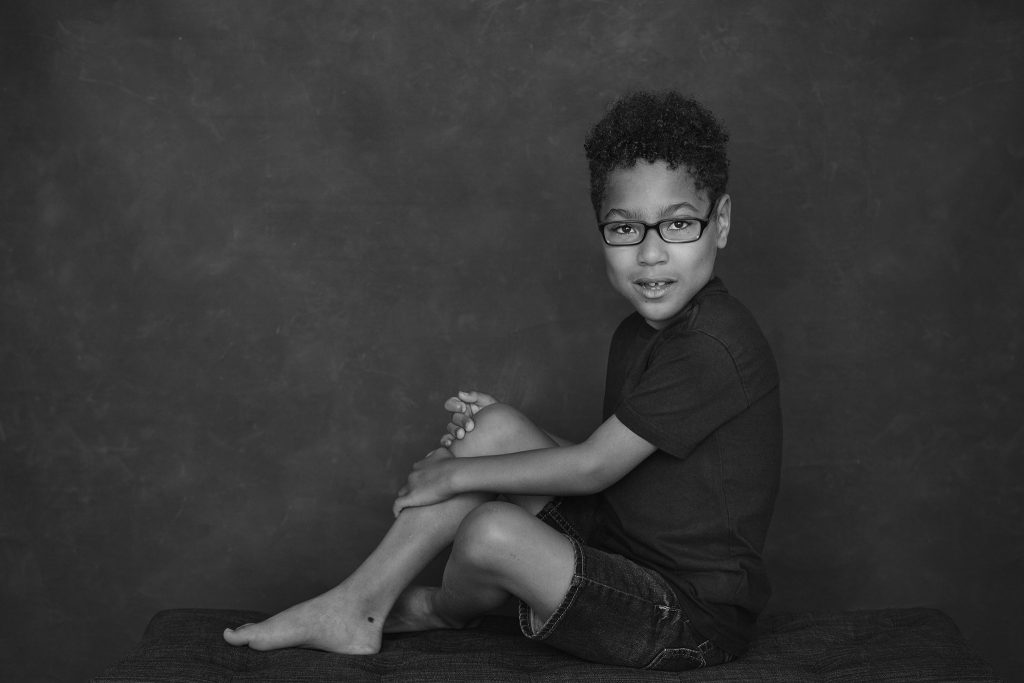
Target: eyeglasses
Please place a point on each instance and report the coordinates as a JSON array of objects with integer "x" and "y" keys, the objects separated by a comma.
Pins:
[{"x": 673, "y": 230}]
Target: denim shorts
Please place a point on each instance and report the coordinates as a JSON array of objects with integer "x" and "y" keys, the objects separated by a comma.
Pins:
[{"x": 617, "y": 612}]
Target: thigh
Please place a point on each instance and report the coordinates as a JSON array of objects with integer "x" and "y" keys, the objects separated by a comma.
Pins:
[{"x": 500, "y": 428}]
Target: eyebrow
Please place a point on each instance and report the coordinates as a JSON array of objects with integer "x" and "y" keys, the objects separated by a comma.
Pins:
[{"x": 634, "y": 216}]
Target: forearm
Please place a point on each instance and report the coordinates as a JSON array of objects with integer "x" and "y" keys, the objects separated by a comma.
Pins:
[
  {"x": 594, "y": 465},
  {"x": 565, "y": 470},
  {"x": 604, "y": 458},
  {"x": 557, "y": 439}
]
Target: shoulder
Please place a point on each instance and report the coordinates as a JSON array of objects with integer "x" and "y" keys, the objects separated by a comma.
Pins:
[
  {"x": 717, "y": 314},
  {"x": 722, "y": 328}
]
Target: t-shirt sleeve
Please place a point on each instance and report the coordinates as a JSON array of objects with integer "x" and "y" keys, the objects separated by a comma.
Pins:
[{"x": 690, "y": 388}]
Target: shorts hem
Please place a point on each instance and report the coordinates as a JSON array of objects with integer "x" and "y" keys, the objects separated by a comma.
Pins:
[{"x": 549, "y": 513}]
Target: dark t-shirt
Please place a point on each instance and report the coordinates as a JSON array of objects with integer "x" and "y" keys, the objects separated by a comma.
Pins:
[{"x": 705, "y": 391}]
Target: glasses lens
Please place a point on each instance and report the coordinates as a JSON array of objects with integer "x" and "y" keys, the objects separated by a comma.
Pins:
[
  {"x": 680, "y": 230},
  {"x": 623, "y": 233}
]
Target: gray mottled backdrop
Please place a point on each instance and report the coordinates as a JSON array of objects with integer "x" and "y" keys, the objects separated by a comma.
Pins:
[{"x": 247, "y": 248}]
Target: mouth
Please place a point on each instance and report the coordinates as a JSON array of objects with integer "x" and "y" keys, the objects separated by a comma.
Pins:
[{"x": 653, "y": 288}]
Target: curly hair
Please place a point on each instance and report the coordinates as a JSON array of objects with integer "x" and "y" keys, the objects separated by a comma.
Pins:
[{"x": 656, "y": 126}]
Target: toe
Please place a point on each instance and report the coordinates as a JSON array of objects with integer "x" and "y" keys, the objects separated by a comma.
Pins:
[{"x": 235, "y": 636}]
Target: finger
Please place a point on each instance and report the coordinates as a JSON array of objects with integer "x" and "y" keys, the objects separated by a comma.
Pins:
[
  {"x": 447, "y": 440},
  {"x": 476, "y": 400},
  {"x": 456, "y": 431},
  {"x": 482, "y": 401},
  {"x": 400, "y": 504},
  {"x": 454, "y": 405},
  {"x": 442, "y": 454},
  {"x": 464, "y": 421}
]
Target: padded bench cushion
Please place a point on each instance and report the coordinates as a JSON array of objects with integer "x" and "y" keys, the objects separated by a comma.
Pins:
[{"x": 916, "y": 644}]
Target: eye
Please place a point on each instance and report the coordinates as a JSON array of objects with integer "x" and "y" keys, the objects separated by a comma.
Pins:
[
  {"x": 623, "y": 229},
  {"x": 683, "y": 225}
]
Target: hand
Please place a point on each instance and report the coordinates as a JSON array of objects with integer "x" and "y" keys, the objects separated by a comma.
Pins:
[
  {"x": 462, "y": 408},
  {"x": 428, "y": 483}
]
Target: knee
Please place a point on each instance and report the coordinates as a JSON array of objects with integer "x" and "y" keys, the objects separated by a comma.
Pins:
[
  {"x": 495, "y": 430},
  {"x": 488, "y": 535},
  {"x": 499, "y": 419}
]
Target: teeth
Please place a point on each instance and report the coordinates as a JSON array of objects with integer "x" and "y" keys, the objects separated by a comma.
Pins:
[{"x": 653, "y": 289}]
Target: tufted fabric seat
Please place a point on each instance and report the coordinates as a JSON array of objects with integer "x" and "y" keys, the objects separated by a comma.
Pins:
[{"x": 918, "y": 644}]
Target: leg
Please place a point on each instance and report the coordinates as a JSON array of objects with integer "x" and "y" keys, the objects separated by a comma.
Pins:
[
  {"x": 500, "y": 428},
  {"x": 349, "y": 618},
  {"x": 501, "y": 550}
]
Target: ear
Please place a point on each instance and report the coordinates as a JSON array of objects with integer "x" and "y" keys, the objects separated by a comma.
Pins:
[{"x": 724, "y": 214}]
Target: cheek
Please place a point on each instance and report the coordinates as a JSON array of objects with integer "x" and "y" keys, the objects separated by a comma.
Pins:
[
  {"x": 616, "y": 276},
  {"x": 611, "y": 273},
  {"x": 708, "y": 257},
  {"x": 616, "y": 263},
  {"x": 700, "y": 260}
]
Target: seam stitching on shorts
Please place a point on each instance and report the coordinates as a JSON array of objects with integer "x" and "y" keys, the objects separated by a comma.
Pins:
[{"x": 631, "y": 595}]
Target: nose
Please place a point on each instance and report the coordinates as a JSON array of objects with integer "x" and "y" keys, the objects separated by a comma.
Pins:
[{"x": 652, "y": 250}]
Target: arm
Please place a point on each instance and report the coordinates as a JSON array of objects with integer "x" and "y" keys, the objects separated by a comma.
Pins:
[
  {"x": 608, "y": 455},
  {"x": 463, "y": 407},
  {"x": 557, "y": 439}
]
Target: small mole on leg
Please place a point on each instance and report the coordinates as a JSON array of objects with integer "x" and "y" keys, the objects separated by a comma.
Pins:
[{"x": 369, "y": 619}]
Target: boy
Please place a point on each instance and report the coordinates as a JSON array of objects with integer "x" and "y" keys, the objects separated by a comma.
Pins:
[{"x": 642, "y": 545}]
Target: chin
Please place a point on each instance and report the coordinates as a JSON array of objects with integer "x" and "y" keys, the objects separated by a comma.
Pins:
[{"x": 658, "y": 316}]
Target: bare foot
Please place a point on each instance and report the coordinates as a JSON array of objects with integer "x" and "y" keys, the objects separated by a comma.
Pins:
[
  {"x": 329, "y": 622},
  {"x": 416, "y": 610}
]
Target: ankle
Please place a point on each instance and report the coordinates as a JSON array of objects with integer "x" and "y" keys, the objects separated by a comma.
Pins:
[
  {"x": 362, "y": 608},
  {"x": 443, "y": 612}
]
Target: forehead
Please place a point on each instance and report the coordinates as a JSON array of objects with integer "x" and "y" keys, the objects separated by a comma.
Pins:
[{"x": 651, "y": 186}]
